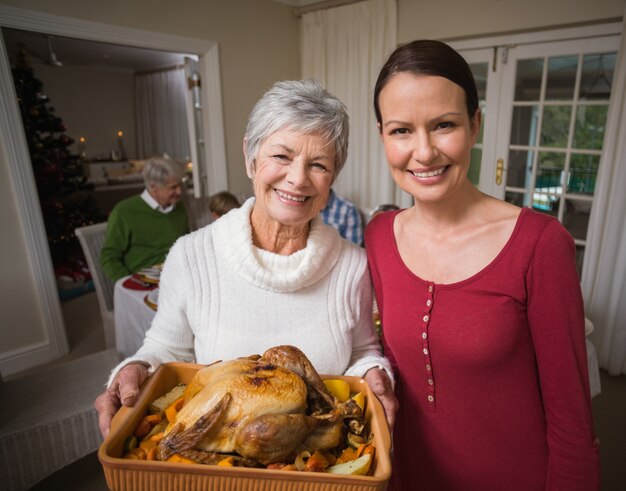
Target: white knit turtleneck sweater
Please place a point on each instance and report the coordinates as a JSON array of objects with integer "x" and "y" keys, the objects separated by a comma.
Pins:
[{"x": 221, "y": 298}]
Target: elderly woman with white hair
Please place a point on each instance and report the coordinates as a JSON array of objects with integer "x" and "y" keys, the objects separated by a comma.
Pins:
[
  {"x": 270, "y": 272},
  {"x": 141, "y": 229}
]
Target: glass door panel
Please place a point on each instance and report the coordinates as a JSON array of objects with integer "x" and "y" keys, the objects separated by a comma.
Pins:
[
  {"x": 544, "y": 107},
  {"x": 524, "y": 125},
  {"x": 558, "y": 109},
  {"x": 480, "y": 72},
  {"x": 582, "y": 174},
  {"x": 561, "y": 81},
  {"x": 528, "y": 79},
  {"x": 555, "y": 126},
  {"x": 576, "y": 218},
  {"x": 481, "y": 62},
  {"x": 519, "y": 172},
  {"x": 597, "y": 76},
  {"x": 589, "y": 127}
]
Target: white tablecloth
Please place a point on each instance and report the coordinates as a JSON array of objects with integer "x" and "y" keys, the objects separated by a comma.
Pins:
[{"x": 132, "y": 317}]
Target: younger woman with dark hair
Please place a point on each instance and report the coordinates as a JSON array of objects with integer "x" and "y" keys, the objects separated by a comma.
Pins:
[{"x": 480, "y": 301}]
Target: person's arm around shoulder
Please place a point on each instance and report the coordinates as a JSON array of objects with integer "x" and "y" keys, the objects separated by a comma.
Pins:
[
  {"x": 556, "y": 318},
  {"x": 116, "y": 244}
]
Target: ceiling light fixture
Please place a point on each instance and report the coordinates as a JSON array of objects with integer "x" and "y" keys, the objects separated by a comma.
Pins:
[{"x": 52, "y": 57}]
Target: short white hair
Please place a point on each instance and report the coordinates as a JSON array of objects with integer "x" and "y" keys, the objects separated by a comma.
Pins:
[
  {"x": 300, "y": 105},
  {"x": 158, "y": 170}
]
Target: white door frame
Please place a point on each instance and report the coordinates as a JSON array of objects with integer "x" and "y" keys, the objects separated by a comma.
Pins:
[{"x": 13, "y": 142}]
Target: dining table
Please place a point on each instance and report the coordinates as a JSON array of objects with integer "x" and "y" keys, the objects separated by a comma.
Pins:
[{"x": 135, "y": 304}]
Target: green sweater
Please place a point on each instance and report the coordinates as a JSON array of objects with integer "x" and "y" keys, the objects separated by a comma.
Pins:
[{"x": 139, "y": 237}]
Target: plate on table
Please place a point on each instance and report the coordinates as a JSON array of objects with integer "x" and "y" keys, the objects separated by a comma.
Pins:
[
  {"x": 150, "y": 275},
  {"x": 152, "y": 299},
  {"x": 135, "y": 282}
]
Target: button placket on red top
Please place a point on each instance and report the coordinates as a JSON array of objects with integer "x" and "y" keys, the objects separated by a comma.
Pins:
[{"x": 430, "y": 393}]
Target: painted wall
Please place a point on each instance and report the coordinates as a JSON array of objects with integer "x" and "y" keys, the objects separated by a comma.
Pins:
[
  {"x": 94, "y": 103},
  {"x": 453, "y": 19},
  {"x": 21, "y": 321}
]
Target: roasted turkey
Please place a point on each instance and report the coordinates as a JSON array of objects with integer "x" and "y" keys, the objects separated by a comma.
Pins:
[{"x": 265, "y": 408}]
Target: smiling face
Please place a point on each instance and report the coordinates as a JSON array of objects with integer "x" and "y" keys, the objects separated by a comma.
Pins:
[
  {"x": 292, "y": 176},
  {"x": 168, "y": 194},
  {"x": 427, "y": 135}
]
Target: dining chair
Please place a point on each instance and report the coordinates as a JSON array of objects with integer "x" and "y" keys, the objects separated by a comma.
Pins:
[
  {"x": 198, "y": 212},
  {"x": 91, "y": 238}
]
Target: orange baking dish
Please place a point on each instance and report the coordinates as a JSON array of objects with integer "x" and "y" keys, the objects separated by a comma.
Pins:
[{"x": 142, "y": 475}]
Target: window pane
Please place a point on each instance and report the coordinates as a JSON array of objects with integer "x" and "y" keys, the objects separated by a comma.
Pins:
[
  {"x": 576, "y": 217},
  {"x": 561, "y": 77},
  {"x": 546, "y": 203},
  {"x": 550, "y": 167},
  {"x": 528, "y": 80},
  {"x": 479, "y": 70},
  {"x": 524, "y": 125},
  {"x": 519, "y": 199},
  {"x": 555, "y": 126},
  {"x": 589, "y": 130},
  {"x": 519, "y": 169},
  {"x": 580, "y": 254},
  {"x": 474, "y": 169},
  {"x": 583, "y": 171},
  {"x": 597, "y": 76},
  {"x": 483, "y": 113}
]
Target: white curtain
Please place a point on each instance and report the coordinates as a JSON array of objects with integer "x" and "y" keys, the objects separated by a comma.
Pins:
[
  {"x": 604, "y": 270},
  {"x": 161, "y": 114},
  {"x": 344, "y": 48}
]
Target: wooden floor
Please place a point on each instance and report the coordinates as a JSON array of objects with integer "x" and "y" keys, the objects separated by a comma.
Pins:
[{"x": 85, "y": 334}]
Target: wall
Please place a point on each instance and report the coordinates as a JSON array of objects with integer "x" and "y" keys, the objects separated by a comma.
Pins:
[
  {"x": 455, "y": 19},
  {"x": 94, "y": 103},
  {"x": 258, "y": 44},
  {"x": 21, "y": 322}
]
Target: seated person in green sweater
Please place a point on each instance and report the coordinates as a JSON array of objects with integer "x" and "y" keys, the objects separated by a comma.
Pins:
[{"x": 141, "y": 229}]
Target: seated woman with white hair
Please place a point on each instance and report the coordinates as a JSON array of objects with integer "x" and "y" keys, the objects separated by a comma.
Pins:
[{"x": 270, "y": 272}]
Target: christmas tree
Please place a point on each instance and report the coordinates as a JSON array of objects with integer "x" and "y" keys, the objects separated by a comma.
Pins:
[{"x": 65, "y": 195}]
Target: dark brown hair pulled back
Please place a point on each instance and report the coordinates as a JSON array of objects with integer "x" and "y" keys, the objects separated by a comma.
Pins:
[{"x": 428, "y": 57}]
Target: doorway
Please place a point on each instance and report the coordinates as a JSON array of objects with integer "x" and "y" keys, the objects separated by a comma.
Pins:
[
  {"x": 90, "y": 111},
  {"x": 21, "y": 180}
]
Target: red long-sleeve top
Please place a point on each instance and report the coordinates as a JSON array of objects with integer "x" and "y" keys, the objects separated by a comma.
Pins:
[{"x": 491, "y": 371}]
